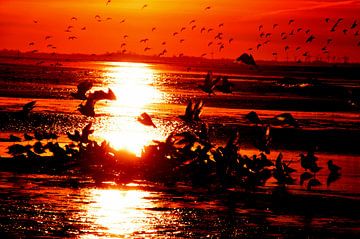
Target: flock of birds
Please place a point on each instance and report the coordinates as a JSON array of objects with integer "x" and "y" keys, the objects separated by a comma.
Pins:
[
  {"x": 298, "y": 39},
  {"x": 190, "y": 139},
  {"x": 216, "y": 40}
]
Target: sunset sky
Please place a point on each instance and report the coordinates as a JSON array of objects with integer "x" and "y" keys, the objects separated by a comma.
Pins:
[{"x": 241, "y": 21}]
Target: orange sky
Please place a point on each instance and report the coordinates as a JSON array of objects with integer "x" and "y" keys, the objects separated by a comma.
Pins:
[{"x": 241, "y": 20}]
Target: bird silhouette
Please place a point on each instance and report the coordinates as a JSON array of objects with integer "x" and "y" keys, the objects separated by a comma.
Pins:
[
  {"x": 263, "y": 140},
  {"x": 145, "y": 119},
  {"x": 310, "y": 39},
  {"x": 207, "y": 8},
  {"x": 354, "y": 25},
  {"x": 82, "y": 88},
  {"x": 209, "y": 83},
  {"x": 226, "y": 85},
  {"x": 246, "y": 59},
  {"x": 332, "y": 167},
  {"x": 253, "y": 117},
  {"x": 88, "y": 108},
  {"x": 193, "y": 111},
  {"x": 286, "y": 119}
]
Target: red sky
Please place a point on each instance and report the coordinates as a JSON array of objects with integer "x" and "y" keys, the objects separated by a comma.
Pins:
[{"x": 241, "y": 20}]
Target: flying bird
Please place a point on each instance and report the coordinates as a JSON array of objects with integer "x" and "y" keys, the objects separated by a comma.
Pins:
[
  {"x": 88, "y": 108},
  {"x": 354, "y": 25},
  {"x": 209, "y": 83},
  {"x": 144, "y": 6},
  {"x": 275, "y": 25},
  {"x": 145, "y": 119},
  {"x": 207, "y": 8},
  {"x": 193, "y": 111},
  {"x": 291, "y": 21},
  {"x": 310, "y": 39},
  {"x": 246, "y": 59},
  {"x": 82, "y": 88}
]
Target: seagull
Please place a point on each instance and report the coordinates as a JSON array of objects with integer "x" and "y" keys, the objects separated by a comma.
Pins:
[
  {"x": 253, "y": 117},
  {"x": 107, "y": 2},
  {"x": 262, "y": 142},
  {"x": 202, "y": 29},
  {"x": 191, "y": 22},
  {"x": 207, "y": 8},
  {"x": 47, "y": 37},
  {"x": 88, "y": 108},
  {"x": 332, "y": 167},
  {"x": 312, "y": 183},
  {"x": 145, "y": 119},
  {"x": 182, "y": 29},
  {"x": 28, "y": 137},
  {"x": 246, "y": 59},
  {"x": 74, "y": 18},
  {"x": 31, "y": 43},
  {"x": 83, "y": 28},
  {"x": 209, "y": 83},
  {"x": 153, "y": 29},
  {"x": 13, "y": 138},
  {"x": 291, "y": 21},
  {"x": 144, "y": 6},
  {"x": 26, "y": 109},
  {"x": 261, "y": 27},
  {"x": 226, "y": 85},
  {"x": 354, "y": 25},
  {"x": 122, "y": 21},
  {"x": 286, "y": 119},
  {"x": 275, "y": 25},
  {"x": 310, "y": 39},
  {"x": 193, "y": 111},
  {"x": 147, "y": 49},
  {"x": 327, "y": 20},
  {"x": 82, "y": 88}
]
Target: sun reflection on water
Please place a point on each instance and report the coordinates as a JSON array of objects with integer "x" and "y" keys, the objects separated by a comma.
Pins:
[
  {"x": 118, "y": 212},
  {"x": 133, "y": 85}
]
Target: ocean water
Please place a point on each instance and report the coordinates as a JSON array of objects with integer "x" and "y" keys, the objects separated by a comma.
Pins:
[{"x": 319, "y": 97}]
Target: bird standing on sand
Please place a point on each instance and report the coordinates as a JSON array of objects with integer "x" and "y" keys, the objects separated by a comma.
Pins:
[{"x": 226, "y": 86}]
